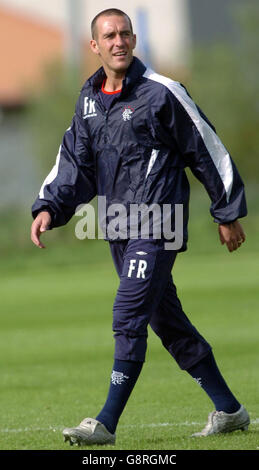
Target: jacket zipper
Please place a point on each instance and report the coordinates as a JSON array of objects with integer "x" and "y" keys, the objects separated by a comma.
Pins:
[
  {"x": 106, "y": 127},
  {"x": 106, "y": 121}
]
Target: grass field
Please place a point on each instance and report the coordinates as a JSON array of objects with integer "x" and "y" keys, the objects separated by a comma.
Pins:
[{"x": 56, "y": 348}]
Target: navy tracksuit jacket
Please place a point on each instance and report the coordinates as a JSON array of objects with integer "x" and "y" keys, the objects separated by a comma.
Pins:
[{"x": 137, "y": 153}]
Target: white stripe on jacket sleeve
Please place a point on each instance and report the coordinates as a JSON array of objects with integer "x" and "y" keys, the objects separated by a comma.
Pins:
[
  {"x": 152, "y": 160},
  {"x": 216, "y": 149},
  {"x": 51, "y": 176}
]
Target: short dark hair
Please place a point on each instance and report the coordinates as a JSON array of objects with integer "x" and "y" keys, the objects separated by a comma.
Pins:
[{"x": 109, "y": 12}]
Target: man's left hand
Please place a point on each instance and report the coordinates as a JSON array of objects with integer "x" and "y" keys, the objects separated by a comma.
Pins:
[{"x": 232, "y": 234}]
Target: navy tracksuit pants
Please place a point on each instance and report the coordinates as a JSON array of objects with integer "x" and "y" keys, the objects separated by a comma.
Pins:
[{"x": 147, "y": 295}]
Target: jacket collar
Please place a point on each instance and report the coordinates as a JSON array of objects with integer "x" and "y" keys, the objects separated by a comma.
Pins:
[{"x": 133, "y": 74}]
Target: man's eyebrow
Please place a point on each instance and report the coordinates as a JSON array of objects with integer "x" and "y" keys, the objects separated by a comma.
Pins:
[
  {"x": 108, "y": 33},
  {"x": 120, "y": 32}
]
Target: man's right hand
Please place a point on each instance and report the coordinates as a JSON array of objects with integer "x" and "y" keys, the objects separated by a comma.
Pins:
[{"x": 40, "y": 225}]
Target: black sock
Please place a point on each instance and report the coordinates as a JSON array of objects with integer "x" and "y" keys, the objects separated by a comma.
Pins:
[
  {"x": 123, "y": 379},
  {"x": 208, "y": 376}
]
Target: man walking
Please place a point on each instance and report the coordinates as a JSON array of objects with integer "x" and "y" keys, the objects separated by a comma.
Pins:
[{"x": 132, "y": 135}]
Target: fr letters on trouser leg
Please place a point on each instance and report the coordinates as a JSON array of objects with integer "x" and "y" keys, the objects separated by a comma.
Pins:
[{"x": 146, "y": 294}]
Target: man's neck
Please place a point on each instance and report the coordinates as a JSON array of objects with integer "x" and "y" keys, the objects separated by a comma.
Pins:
[
  {"x": 114, "y": 79},
  {"x": 113, "y": 83}
]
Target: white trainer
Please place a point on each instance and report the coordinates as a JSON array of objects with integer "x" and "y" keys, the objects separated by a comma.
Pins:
[
  {"x": 219, "y": 421},
  {"x": 89, "y": 432}
]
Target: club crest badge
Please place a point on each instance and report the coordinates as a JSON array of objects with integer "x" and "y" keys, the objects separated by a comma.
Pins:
[
  {"x": 117, "y": 378},
  {"x": 127, "y": 113}
]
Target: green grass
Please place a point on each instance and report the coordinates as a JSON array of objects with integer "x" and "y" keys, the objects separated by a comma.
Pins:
[{"x": 56, "y": 348}]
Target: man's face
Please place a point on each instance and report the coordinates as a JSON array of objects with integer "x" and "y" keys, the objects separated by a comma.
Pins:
[{"x": 114, "y": 43}]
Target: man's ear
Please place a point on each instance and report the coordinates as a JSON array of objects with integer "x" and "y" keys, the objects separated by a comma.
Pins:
[
  {"x": 135, "y": 40},
  {"x": 94, "y": 46}
]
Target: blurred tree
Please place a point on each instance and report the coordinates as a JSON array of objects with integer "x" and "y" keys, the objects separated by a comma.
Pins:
[
  {"x": 224, "y": 82},
  {"x": 49, "y": 113}
]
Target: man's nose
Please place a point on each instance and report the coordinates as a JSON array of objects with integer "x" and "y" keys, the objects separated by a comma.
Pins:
[{"x": 119, "y": 40}]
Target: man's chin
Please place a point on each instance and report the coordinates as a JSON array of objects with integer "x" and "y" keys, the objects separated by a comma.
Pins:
[
  {"x": 123, "y": 66},
  {"x": 121, "y": 69}
]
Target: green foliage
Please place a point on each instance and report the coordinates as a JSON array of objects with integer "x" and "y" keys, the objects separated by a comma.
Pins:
[
  {"x": 49, "y": 113},
  {"x": 224, "y": 82}
]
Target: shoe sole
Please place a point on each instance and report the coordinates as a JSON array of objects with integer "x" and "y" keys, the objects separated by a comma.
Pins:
[
  {"x": 81, "y": 442},
  {"x": 241, "y": 427},
  {"x": 72, "y": 441}
]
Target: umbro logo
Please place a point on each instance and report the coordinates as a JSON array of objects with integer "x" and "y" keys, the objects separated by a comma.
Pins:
[{"x": 89, "y": 108}]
